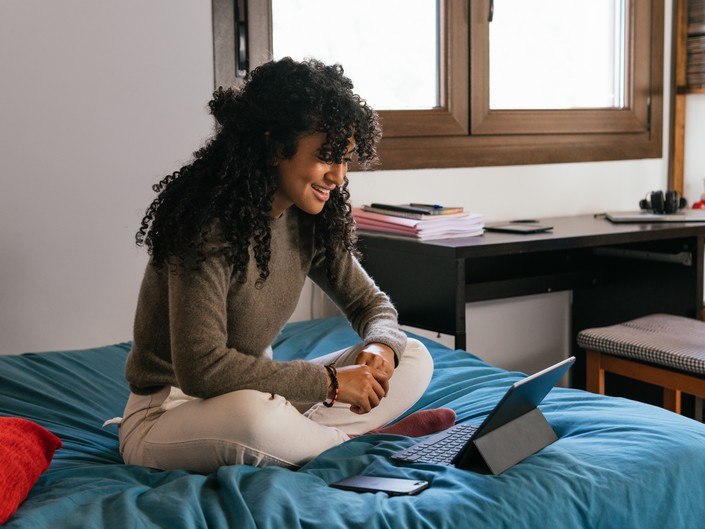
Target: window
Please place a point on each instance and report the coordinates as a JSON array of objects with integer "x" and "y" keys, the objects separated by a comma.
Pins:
[
  {"x": 496, "y": 82},
  {"x": 372, "y": 29},
  {"x": 579, "y": 63}
]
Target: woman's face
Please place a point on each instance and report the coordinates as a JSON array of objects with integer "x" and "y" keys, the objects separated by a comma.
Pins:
[{"x": 305, "y": 179}]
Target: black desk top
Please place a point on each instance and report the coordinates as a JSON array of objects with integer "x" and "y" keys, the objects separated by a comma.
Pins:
[{"x": 568, "y": 232}]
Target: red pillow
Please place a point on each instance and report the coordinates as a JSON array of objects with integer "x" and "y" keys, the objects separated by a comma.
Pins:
[{"x": 26, "y": 450}]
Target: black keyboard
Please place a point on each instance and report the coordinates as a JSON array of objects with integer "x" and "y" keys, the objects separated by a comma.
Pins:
[{"x": 439, "y": 449}]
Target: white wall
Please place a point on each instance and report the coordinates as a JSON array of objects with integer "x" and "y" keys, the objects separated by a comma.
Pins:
[
  {"x": 694, "y": 170},
  {"x": 100, "y": 98}
]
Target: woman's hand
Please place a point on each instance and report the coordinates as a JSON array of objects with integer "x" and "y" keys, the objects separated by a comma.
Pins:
[
  {"x": 362, "y": 387},
  {"x": 378, "y": 356}
]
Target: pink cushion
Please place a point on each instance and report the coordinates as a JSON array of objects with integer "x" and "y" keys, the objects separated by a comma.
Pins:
[{"x": 26, "y": 450}]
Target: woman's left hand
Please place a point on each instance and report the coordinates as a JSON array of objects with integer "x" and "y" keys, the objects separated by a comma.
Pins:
[{"x": 377, "y": 356}]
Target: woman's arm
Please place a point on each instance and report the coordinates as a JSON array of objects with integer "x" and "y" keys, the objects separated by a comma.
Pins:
[
  {"x": 368, "y": 309},
  {"x": 203, "y": 363}
]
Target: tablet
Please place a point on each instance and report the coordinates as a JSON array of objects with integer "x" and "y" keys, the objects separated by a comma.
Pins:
[{"x": 512, "y": 227}]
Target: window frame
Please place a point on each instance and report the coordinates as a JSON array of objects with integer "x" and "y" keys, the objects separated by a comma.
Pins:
[{"x": 464, "y": 132}]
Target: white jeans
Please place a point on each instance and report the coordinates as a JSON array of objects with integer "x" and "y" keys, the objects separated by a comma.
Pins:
[{"x": 170, "y": 430}]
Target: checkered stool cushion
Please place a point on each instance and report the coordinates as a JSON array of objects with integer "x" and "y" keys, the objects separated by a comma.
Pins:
[{"x": 662, "y": 339}]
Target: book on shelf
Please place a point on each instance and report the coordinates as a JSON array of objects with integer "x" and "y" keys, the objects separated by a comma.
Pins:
[
  {"x": 696, "y": 11},
  {"x": 696, "y": 58},
  {"x": 696, "y": 28},
  {"x": 695, "y": 43}
]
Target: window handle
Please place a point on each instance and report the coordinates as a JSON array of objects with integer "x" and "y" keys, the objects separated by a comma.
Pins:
[
  {"x": 241, "y": 39},
  {"x": 490, "y": 15},
  {"x": 242, "y": 46}
]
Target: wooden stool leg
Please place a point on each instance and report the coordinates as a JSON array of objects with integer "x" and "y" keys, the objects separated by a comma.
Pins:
[
  {"x": 594, "y": 375},
  {"x": 672, "y": 400}
]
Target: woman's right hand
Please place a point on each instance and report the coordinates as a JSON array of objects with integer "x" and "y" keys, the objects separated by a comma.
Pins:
[{"x": 362, "y": 387}]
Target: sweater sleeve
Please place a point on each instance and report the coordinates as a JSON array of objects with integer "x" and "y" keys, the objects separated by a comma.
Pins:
[
  {"x": 203, "y": 364},
  {"x": 367, "y": 308}
]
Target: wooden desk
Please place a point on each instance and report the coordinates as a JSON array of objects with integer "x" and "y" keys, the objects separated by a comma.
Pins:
[{"x": 616, "y": 272}]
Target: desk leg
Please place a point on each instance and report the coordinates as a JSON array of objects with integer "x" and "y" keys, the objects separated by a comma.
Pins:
[{"x": 460, "y": 323}]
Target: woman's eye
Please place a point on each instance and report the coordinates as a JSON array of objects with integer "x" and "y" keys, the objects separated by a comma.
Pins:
[{"x": 328, "y": 161}]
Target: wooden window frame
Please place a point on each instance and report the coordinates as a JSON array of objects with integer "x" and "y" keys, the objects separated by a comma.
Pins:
[{"x": 464, "y": 131}]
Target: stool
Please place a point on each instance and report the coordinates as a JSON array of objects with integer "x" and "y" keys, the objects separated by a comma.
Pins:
[{"x": 661, "y": 349}]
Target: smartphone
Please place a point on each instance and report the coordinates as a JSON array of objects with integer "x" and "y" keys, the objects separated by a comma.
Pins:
[
  {"x": 392, "y": 486},
  {"x": 511, "y": 227}
]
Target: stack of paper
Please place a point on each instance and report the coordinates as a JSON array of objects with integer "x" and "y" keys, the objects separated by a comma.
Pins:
[{"x": 438, "y": 227}]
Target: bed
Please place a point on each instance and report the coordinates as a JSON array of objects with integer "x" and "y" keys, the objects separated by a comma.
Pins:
[{"x": 617, "y": 463}]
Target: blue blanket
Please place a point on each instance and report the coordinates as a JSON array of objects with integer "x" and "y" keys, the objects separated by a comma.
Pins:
[{"x": 617, "y": 463}]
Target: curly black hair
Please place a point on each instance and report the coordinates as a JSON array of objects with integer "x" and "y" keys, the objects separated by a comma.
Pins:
[{"x": 233, "y": 177}]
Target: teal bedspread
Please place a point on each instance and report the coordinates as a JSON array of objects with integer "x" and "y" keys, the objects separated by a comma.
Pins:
[{"x": 617, "y": 463}]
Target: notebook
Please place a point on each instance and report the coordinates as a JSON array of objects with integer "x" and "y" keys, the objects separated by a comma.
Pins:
[
  {"x": 456, "y": 445},
  {"x": 689, "y": 215}
]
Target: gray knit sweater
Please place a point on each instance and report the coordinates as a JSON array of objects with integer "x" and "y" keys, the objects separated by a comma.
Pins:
[{"x": 206, "y": 334}]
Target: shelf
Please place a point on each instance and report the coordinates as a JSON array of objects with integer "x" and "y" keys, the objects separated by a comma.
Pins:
[
  {"x": 679, "y": 83},
  {"x": 690, "y": 90}
]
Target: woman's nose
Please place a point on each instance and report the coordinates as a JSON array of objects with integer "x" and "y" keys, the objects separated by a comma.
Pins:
[{"x": 336, "y": 173}]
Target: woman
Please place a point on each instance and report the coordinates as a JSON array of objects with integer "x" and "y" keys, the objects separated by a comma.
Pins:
[{"x": 232, "y": 237}]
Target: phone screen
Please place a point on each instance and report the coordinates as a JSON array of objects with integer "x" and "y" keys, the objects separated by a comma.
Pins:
[{"x": 392, "y": 486}]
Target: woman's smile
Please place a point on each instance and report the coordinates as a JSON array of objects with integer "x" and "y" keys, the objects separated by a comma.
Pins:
[
  {"x": 305, "y": 179},
  {"x": 322, "y": 193}
]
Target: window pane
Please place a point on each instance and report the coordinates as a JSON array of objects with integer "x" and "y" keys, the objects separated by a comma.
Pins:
[
  {"x": 388, "y": 48},
  {"x": 557, "y": 54}
]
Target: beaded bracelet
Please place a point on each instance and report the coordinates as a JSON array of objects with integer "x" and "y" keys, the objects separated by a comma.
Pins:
[{"x": 334, "y": 381}]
